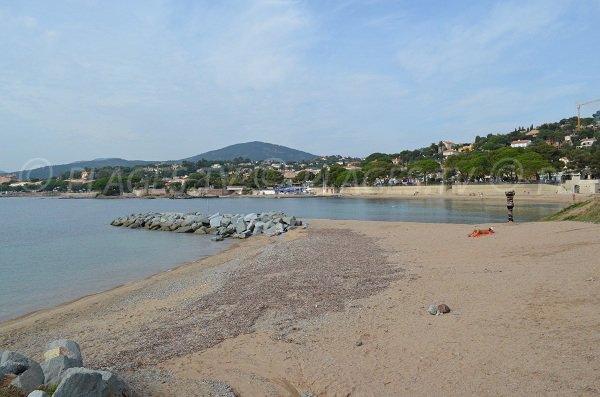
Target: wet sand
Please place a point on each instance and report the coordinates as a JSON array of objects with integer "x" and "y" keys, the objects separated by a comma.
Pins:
[{"x": 339, "y": 309}]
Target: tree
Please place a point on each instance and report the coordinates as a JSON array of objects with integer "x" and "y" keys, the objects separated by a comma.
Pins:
[
  {"x": 261, "y": 178},
  {"x": 423, "y": 168},
  {"x": 304, "y": 176},
  {"x": 349, "y": 178},
  {"x": 377, "y": 170},
  {"x": 376, "y": 157}
]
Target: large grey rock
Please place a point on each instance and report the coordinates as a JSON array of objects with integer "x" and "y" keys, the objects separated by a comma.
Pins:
[
  {"x": 216, "y": 221},
  {"x": 38, "y": 393},
  {"x": 55, "y": 367},
  {"x": 240, "y": 226},
  {"x": 258, "y": 228},
  {"x": 250, "y": 217},
  {"x": 116, "y": 386},
  {"x": 66, "y": 347},
  {"x": 29, "y": 379},
  {"x": 229, "y": 230},
  {"x": 81, "y": 382},
  {"x": 14, "y": 357},
  {"x": 12, "y": 367},
  {"x": 184, "y": 229},
  {"x": 201, "y": 230}
]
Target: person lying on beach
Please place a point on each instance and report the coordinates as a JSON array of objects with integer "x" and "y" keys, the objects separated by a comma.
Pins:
[{"x": 481, "y": 232}]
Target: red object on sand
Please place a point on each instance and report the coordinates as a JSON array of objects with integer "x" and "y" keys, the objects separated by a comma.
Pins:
[{"x": 481, "y": 232}]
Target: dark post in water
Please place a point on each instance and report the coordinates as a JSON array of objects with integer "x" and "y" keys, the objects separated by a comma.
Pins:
[{"x": 510, "y": 204}]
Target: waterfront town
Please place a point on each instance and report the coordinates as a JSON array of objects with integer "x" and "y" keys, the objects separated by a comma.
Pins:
[{"x": 561, "y": 157}]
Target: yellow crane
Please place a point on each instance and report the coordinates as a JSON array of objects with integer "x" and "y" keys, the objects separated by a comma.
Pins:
[{"x": 579, "y": 105}]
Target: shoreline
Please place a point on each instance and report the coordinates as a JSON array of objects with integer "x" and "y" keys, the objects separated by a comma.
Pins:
[
  {"x": 539, "y": 198},
  {"x": 253, "y": 317}
]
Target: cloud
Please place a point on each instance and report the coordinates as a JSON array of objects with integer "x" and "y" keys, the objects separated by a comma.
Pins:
[
  {"x": 255, "y": 47},
  {"x": 466, "y": 47}
]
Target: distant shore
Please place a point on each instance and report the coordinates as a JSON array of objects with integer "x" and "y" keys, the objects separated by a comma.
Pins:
[
  {"x": 542, "y": 198},
  {"x": 320, "y": 310}
]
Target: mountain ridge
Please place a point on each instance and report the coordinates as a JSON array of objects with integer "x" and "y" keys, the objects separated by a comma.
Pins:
[{"x": 255, "y": 150}]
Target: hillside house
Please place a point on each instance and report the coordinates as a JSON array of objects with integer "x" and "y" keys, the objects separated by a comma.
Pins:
[
  {"x": 445, "y": 145},
  {"x": 6, "y": 178},
  {"x": 585, "y": 143},
  {"x": 520, "y": 143},
  {"x": 449, "y": 152}
]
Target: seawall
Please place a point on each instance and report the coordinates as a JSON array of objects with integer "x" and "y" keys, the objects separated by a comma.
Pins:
[{"x": 455, "y": 190}]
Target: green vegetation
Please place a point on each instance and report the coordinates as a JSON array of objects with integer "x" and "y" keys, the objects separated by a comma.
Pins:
[
  {"x": 50, "y": 389},
  {"x": 585, "y": 211},
  {"x": 490, "y": 159}
]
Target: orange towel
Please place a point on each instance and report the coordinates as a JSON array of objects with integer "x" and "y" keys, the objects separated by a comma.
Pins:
[{"x": 481, "y": 232}]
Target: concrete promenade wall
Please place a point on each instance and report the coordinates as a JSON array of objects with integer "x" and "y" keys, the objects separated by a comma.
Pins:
[
  {"x": 498, "y": 190},
  {"x": 456, "y": 190},
  {"x": 149, "y": 192},
  {"x": 393, "y": 190}
]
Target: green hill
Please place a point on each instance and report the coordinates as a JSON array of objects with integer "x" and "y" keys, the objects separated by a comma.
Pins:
[{"x": 255, "y": 151}]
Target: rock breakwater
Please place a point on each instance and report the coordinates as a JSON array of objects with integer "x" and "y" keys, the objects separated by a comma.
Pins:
[{"x": 219, "y": 225}]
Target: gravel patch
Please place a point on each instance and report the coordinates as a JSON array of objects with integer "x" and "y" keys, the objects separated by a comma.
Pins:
[{"x": 288, "y": 282}]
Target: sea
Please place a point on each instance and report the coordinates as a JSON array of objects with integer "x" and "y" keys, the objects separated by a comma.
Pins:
[{"x": 55, "y": 250}]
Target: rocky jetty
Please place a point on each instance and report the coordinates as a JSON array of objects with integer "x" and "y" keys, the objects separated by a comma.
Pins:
[
  {"x": 219, "y": 225},
  {"x": 61, "y": 373}
]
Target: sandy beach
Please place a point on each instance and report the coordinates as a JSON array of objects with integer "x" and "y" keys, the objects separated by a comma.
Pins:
[{"x": 340, "y": 309}]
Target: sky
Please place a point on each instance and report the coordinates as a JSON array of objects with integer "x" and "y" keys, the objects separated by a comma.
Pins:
[{"x": 160, "y": 80}]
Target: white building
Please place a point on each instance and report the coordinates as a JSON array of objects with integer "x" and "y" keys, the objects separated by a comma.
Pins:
[
  {"x": 586, "y": 142},
  {"x": 449, "y": 152},
  {"x": 520, "y": 143}
]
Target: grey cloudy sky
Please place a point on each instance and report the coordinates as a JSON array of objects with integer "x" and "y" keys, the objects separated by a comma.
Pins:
[{"x": 164, "y": 80}]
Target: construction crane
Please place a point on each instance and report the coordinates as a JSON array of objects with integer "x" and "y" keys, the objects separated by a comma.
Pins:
[{"x": 579, "y": 105}]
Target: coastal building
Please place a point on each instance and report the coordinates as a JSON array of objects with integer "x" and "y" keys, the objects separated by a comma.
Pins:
[
  {"x": 586, "y": 143},
  {"x": 6, "y": 178},
  {"x": 235, "y": 189},
  {"x": 520, "y": 143},
  {"x": 445, "y": 145},
  {"x": 449, "y": 152},
  {"x": 290, "y": 174},
  {"x": 584, "y": 186}
]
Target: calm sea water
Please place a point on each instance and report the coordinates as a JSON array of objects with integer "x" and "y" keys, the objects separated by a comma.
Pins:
[{"x": 55, "y": 250}]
